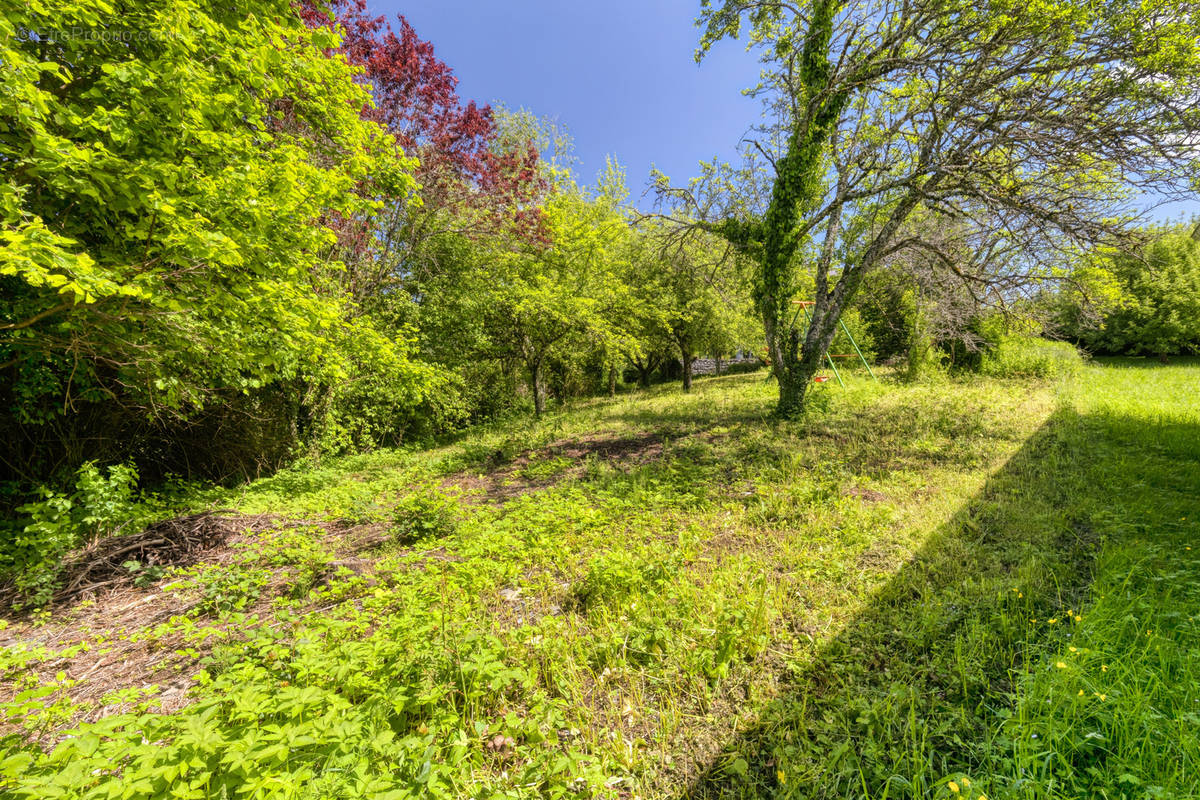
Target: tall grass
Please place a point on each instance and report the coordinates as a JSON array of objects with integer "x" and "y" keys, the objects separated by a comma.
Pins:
[{"x": 1020, "y": 356}]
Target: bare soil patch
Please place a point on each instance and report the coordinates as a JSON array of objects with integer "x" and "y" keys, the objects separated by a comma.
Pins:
[
  {"x": 520, "y": 475},
  {"x": 867, "y": 495}
]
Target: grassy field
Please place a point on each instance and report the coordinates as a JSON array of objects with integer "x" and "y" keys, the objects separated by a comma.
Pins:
[{"x": 960, "y": 589}]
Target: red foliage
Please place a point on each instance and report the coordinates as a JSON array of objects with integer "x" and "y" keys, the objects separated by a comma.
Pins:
[{"x": 416, "y": 97}]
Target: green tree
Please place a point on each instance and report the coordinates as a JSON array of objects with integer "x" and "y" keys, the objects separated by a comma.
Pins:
[
  {"x": 1033, "y": 118},
  {"x": 167, "y": 174},
  {"x": 1149, "y": 302},
  {"x": 694, "y": 298},
  {"x": 542, "y": 296}
]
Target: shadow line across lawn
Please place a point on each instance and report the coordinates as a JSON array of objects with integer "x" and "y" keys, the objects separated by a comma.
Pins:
[{"x": 913, "y": 691}]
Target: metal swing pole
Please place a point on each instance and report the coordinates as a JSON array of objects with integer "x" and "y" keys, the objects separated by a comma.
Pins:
[{"x": 854, "y": 344}]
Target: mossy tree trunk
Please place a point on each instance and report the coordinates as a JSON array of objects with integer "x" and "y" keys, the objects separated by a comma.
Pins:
[
  {"x": 799, "y": 184},
  {"x": 919, "y": 342}
]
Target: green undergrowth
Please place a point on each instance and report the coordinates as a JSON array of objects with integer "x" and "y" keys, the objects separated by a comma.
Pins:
[
  {"x": 699, "y": 600},
  {"x": 1043, "y": 643}
]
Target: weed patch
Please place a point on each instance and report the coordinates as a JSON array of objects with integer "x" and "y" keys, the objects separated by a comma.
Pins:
[{"x": 873, "y": 601}]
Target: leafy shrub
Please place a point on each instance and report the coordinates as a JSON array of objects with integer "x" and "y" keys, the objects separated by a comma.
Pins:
[
  {"x": 1145, "y": 304},
  {"x": 1022, "y": 356},
  {"x": 387, "y": 395},
  {"x": 32, "y": 552},
  {"x": 362, "y": 510},
  {"x": 428, "y": 513},
  {"x": 863, "y": 337},
  {"x": 614, "y": 576},
  {"x": 886, "y": 306},
  {"x": 546, "y": 468},
  {"x": 302, "y": 550},
  {"x": 106, "y": 503},
  {"x": 232, "y": 588},
  {"x": 102, "y": 504}
]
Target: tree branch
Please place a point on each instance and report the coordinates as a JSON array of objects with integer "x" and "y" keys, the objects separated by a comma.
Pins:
[{"x": 36, "y": 318}]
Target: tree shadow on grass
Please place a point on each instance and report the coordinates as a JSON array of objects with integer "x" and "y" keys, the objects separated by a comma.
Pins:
[{"x": 911, "y": 693}]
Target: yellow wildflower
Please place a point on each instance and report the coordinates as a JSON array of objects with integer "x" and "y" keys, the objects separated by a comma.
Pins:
[
  {"x": 953, "y": 786},
  {"x": 1052, "y": 620},
  {"x": 966, "y": 781},
  {"x": 1061, "y": 665}
]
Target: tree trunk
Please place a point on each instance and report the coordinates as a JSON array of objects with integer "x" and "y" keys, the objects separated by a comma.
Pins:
[
  {"x": 792, "y": 388},
  {"x": 795, "y": 373},
  {"x": 688, "y": 358},
  {"x": 537, "y": 386},
  {"x": 798, "y": 364},
  {"x": 645, "y": 368},
  {"x": 798, "y": 184},
  {"x": 612, "y": 380},
  {"x": 717, "y": 361},
  {"x": 918, "y": 343}
]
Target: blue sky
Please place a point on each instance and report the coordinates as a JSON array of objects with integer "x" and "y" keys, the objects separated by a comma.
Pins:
[{"x": 618, "y": 75}]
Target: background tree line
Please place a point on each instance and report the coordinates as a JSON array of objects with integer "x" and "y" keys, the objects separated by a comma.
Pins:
[{"x": 256, "y": 231}]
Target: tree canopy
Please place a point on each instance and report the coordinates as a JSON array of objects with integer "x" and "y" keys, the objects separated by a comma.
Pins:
[
  {"x": 1036, "y": 121},
  {"x": 166, "y": 201}
]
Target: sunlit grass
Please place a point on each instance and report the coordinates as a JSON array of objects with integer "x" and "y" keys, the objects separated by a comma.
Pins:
[
  {"x": 670, "y": 594},
  {"x": 1115, "y": 707}
]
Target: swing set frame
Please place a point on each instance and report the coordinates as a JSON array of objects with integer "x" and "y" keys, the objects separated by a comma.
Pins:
[{"x": 829, "y": 357}]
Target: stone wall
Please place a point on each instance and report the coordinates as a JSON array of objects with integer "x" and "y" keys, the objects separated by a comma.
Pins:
[{"x": 708, "y": 366}]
